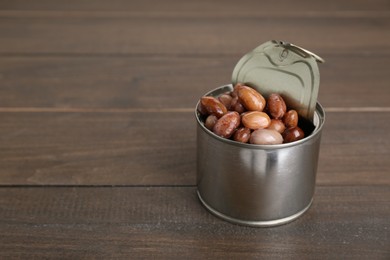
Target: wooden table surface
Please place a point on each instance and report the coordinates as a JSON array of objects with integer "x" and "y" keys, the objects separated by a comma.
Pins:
[{"x": 98, "y": 140}]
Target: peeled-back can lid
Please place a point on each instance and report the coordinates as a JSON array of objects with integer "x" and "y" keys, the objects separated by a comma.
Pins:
[{"x": 284, "y": 68}]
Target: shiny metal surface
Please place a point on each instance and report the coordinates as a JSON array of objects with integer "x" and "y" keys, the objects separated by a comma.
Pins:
[
  {"x": 301, "y": 51},
  {"x": 268, "y": 223},
  {"x": 284, "y": 68},
  {"x": 258, "y": 185}
]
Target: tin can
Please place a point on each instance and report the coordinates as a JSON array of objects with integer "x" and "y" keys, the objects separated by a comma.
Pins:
[{"x": 257, "y": 185}]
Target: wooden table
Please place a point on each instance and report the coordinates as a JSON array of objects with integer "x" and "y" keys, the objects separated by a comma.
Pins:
[{"x": 97, "y": 130}]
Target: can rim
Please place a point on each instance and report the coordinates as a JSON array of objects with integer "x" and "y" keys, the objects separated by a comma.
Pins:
[
  {"x": 255, "y": 223},
  {"x": 318, "y": 122}
]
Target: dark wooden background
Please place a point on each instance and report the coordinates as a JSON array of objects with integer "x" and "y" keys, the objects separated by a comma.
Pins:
[{"x": 97, "y": 130}]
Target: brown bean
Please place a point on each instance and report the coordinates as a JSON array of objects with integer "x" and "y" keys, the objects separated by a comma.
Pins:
[
  {"x": 237, "y": 106},
  {"x": 211, "y": 120},
  {"x": 277, "y": 125},
  {"x": 213, "y": 106},
  {"x": 265, "y": 136},
  {"x": 235, "y": 90},
  {"x": 226, "y": 100},
  {"x": 227, "y": 124},
  {"x": 242, "y": 135},
  {"x": 250, "y": 98},
  {"x": 255, "y": 120},
  {"x": 276, "y": 106},
  {"x": 290, "y": 119},
  {"x": 293, "y": 134},
  {"x": 202, "y": 110}
]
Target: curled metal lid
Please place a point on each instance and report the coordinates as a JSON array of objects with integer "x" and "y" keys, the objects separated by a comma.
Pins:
[{"x": 284, "y": 68}]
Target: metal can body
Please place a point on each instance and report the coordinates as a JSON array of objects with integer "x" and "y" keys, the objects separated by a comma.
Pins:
[{"x": 257, "y": 185}]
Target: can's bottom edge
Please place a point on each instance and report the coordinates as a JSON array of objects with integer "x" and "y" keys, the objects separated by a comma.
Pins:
[{"x": 252, "y": 223}]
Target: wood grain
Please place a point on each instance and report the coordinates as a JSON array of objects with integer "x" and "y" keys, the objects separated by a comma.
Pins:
[
  {"x": 97, "y": 148},
  {"x": 343, "y": 222},
  {"x": 158, "y": 148},
  {"x": 169, "y": 82},
  {"x": 201, "y": 6},
  {"x": 194, "y": 35},
  {"x": 98, "y": 94}
]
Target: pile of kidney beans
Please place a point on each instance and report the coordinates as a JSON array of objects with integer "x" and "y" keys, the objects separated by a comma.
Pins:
[{"x": 244, "y": 115}]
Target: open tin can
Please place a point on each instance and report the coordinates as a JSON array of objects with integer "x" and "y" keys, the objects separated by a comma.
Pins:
[{"x": 262, "y": 185}]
